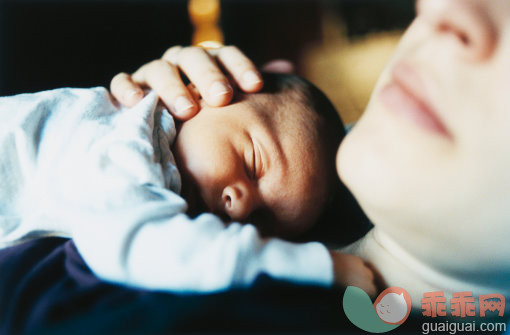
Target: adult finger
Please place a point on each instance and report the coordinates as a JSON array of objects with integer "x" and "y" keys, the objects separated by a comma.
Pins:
[
  {"x": 172, "y": 54},
  {"x": 125, "y": 90},
  {"x": 165, "y": 80},
  {"x": 203, "y": 71},
  {"x": 240, "y": 68}
]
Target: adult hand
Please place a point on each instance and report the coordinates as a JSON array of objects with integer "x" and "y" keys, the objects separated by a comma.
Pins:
[
  {"x": 350, "y": 270},
  {"x": 201, "y": 67}
]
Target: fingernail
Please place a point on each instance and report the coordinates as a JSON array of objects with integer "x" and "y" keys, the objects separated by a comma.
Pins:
[
  {"x": 219, "y": 88},
  {"x": 251, "y": 78},
  {"x": 182, "y": 104}
]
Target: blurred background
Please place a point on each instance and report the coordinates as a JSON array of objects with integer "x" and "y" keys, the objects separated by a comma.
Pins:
[{"x": 340, "y": 45}]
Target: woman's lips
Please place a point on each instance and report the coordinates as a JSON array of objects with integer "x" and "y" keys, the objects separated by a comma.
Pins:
[{"x": 406, "y": 95}]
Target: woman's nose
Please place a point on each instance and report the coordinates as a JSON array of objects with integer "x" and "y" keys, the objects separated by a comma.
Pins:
[
  {"x": 238, "y": 200},
  {"x": 466, "y": 22}
]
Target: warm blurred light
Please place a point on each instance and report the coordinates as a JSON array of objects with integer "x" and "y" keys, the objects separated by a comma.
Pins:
[
  {"x": 204, "y": 11},
  {"x": 205, "y": 15},
  {"x": 347, "y": 69}
]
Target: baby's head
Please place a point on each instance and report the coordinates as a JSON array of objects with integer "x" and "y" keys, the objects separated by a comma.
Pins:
[{"x": 267, "y": 159}]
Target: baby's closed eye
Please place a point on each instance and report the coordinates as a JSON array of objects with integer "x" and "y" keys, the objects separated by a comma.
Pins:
[{"x": 253, "y": 162}]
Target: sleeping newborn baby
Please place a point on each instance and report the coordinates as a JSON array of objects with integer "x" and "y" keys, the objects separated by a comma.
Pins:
[{"x": 159, "y": 206}]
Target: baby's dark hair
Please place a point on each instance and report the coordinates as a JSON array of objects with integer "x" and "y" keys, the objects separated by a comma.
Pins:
[{"x": 342, "y": 220}]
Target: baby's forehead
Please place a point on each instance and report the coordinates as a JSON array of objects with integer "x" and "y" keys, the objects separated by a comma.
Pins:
[{"x": 283, "y": 112}]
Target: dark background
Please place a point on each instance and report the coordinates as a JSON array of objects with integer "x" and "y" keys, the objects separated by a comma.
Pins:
[{"x": 49, "y": 44}]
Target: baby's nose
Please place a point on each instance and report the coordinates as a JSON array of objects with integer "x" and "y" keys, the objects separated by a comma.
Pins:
[{"x": 238, "y": 201}]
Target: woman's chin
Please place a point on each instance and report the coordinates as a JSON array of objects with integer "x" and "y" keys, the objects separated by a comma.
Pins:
[
  {"x": 394, "y": 174},
  {"x": 371, "y": 169},
  {"x": 360, "y": 163}
]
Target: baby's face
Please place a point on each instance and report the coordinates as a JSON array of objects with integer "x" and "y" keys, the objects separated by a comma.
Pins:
[{"x": 242, "y": 163}]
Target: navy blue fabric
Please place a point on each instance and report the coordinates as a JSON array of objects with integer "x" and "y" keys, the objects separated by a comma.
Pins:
[{"x": 45, "y": 287}]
